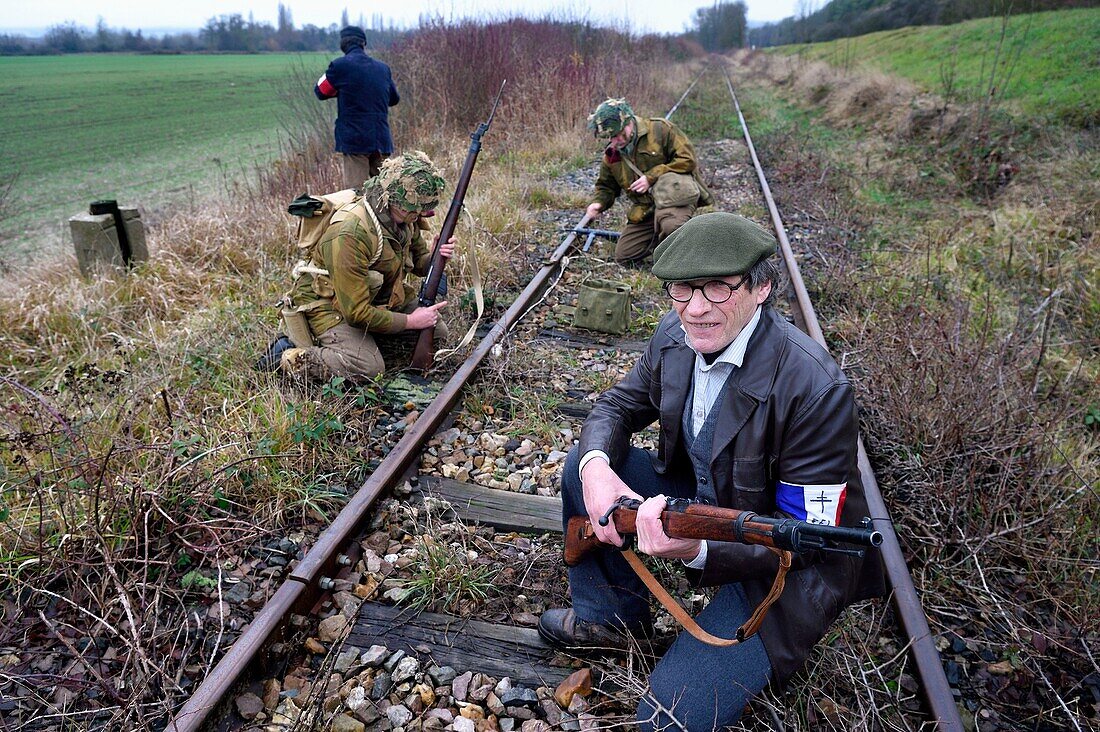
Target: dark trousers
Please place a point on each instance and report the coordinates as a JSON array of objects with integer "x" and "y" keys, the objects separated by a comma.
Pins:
[{"x": 701, "y": 687}]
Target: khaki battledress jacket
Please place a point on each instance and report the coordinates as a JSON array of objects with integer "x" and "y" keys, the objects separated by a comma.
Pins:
[
  {"x": 661, "y": 147},
  {"x": 366, "y": 286}
]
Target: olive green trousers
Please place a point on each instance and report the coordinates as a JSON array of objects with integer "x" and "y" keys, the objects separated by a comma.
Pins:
[{"x": 638, "y": 241}]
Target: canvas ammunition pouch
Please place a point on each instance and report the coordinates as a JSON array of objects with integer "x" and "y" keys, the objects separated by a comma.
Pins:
[{"x": 604, "y": 306}]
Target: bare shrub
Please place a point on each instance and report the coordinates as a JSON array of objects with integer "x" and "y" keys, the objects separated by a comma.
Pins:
[{"x": 556, "y": 72}]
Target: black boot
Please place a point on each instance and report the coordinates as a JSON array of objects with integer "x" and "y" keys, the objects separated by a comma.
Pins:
[
  {"x": 562, "y": 628},
  {"x": 274, "y": 354}
]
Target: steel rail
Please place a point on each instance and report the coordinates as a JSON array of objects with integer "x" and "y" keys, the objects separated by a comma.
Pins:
[
  {"x": 684, "y": 95},
  {"x": 929, "y": 666},
  {"x": 302, "y": 586}
]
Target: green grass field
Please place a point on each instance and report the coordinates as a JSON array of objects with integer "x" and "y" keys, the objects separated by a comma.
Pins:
[
  {"x": 1056, "y": 54},
  {"x": 148, "y": 130}
]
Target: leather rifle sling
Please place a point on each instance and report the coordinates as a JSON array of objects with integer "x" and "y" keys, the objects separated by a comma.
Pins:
[{"x": 747, "y": 629}]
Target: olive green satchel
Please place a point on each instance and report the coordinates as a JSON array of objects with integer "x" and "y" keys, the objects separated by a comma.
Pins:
[
  {"x": 675, "y": 189},
  {"x": 671, "y": 190}
]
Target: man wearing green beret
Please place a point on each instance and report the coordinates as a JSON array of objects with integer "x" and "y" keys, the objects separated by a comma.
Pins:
[
  {"x": 653, "y": 162},
  {"x": 753, "y": 415},
  {"x": 353, "y": 287}
]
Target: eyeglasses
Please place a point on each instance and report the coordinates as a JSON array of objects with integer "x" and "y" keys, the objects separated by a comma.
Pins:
[{"x": 716, "y": 291}]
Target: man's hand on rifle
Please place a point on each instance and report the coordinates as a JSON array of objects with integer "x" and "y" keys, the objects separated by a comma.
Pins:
[
  {"x": 602, "y": 487},
  {"x": 447, "y": 250},
  {"x": 652, "y": 538},
  {"x": 422, "y": 318},
  {"x": 593, "y": 211}
]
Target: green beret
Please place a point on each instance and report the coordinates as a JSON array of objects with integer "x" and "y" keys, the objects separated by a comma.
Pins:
[{"x": 712, "y": 245}]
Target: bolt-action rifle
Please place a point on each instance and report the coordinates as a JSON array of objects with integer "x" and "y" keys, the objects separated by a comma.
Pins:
[
  {"x": 429, "y": 289},
  {"x": 687, "y": 519}
]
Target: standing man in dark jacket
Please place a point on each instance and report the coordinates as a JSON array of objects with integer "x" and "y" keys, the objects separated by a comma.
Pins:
[
  {"x": 364, "y": 91},
  {"x": 753, "y": 415}
]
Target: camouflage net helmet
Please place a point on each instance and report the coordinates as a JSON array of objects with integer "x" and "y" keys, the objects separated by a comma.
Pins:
[
  {"x": 409, "y": 181},
  {"x": 610, "y": 118}
]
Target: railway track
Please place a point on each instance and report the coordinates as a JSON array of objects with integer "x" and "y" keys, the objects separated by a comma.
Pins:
[{"x": 493, "y": 650}]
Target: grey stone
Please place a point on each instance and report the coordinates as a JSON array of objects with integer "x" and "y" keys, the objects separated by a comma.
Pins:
[
  {"x": 374, "y": 656},
  {"x": 346, "y": 660},
  {"x": 520, "y": 696},
  {"x": 392, "y": 661},
  {"x": 444, "y": 715},
  {"x": 462, "y": 724},
  {"x": 356, "y": 698},
  {"x": 238, "y": 592},
  {"x": 399, "y": 715},
  {"x": 442, "y": 675},
  {"x": 381, "y": 687},
  {"x": 405, "y": 669}
]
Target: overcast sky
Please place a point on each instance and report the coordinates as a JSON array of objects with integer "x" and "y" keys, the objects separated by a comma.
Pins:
[{"x": 661, "y": 16}]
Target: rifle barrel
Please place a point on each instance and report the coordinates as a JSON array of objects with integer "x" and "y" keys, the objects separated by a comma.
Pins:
[{"x": 424, "y": 352}]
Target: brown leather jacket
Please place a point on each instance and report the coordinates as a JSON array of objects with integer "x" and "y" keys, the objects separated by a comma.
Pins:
[{"x": 789, "y": 415}]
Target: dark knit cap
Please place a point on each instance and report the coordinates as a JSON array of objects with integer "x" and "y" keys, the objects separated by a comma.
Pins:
[
  {"x": 353, "y": 31},
  {"x": 712, "y": 245}
]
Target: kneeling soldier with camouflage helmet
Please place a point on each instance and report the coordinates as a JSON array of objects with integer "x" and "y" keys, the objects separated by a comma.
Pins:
[
  {"x": 354, "y": 285},
  {"x": 653, "y": 162}
]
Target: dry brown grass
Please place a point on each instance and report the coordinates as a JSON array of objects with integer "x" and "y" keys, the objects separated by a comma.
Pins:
[
  {"x": 968, "y": 324},
  {"x": 141, "y": 457}
]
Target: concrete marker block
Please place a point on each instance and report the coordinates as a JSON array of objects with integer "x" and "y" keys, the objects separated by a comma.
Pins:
[{"x": 95, "y": 242}]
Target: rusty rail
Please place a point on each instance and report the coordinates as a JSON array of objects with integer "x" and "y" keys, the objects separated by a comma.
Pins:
[
  {"x": 686, "y": 92},
  {"x": 929, "y": 667},
  {"x": 302, "y": 587}
]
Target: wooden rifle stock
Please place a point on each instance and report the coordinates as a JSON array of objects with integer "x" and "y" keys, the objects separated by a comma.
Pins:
[
  {"x": 684, "y": 519},
  {"x": 424, "y": 352}
]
